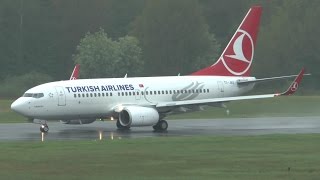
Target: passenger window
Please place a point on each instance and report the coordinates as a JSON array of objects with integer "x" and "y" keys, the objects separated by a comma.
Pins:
[
  {"x": 189, "y": 91},
  {"x": 102, "y": 94},
  {"x": 74, "y": 95},
  {"x": 79, "y": 95},
  {"x": 126, "y": 93},
  {"x": 142, "y": 93},
  {"x": 99, "y": 94},
  {"x": 83, "y": 95},
  {"x": 200, "y": 90},
  {"x": 155, "y": 92},
  {"x": 87, "y": 95},
  {"x": 170, "y": 92},
  {"x": 150, "y": 92},
  {"x": 146, "y": 92},
  {"x": 138, "y": 93},
  {"x": 174, "y": 91},
  {"x": 178, "y": 91},
  {"x": 207, "y": 90},
  {"x": 159, "y": 92},
  {"x": 166, "y": 92},
  {"x": 91, "y": 95},
  {"x": 122, "y": 93},
  {"x": 95, "y": 94},
  {"x": 162, "y": 92},
  {"x": 129, "y": 93},
  {"x": 196, "y": 90},
  {"x": 192, "y": 90},
  {"x": 110, "y": 94},
  {"x": 133, "y": 93}
]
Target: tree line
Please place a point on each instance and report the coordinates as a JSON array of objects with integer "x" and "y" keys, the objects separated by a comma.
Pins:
[{"x": 112, "y": 38}]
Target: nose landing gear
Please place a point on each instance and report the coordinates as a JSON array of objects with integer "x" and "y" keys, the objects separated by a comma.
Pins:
[
  {"x": 43, "y": 125},
  {"x": 44, "y": 128}
]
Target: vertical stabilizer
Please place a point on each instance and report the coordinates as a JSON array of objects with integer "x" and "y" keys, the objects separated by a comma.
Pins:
[
  {"x": 236, "y": 59},
  {"x": 75, "y": 72}
]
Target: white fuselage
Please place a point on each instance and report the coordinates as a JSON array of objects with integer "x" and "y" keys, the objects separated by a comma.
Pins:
[{"x": 98, "y": 98}]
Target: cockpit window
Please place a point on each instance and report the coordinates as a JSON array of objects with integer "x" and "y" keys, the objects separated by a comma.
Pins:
[
  {"x": 34, "y": 95},
  {"x": 27, "y": 95}
]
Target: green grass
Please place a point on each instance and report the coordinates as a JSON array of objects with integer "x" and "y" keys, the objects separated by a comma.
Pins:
[
  {"x": 250, "y": 157},
  {"x": 280, "y": 106}
]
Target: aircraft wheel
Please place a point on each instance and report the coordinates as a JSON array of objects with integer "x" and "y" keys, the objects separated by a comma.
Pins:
[
  {"x": 162, "y": 125},
  {"x": 156, "y": 127},
  {"x": 44, "y": 128},
  {"x": 120, "y": 127}
]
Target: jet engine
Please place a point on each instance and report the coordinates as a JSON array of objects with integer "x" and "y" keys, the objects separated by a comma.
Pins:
[
  {"x": 138, "y": 116},
  {"x": 78, "y": 121}
]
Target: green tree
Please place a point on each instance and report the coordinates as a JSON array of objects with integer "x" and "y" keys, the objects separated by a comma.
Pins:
[
  {"x": 223, "y": 17},
  {"x": 14, "y": 86},
  {"x": 42, "y": 35},
  {"x": 100, "y": 56},
  {"x": 174, "y": 37},
  {"x": 290, "y": 41}
]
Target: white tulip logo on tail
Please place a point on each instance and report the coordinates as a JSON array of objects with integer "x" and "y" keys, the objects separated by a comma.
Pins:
[
  {"x": 238, "y": 58},
  {"x": 294, "y": 87}
]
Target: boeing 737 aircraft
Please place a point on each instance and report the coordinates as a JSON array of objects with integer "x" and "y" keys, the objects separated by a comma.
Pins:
[{"x": 146, "y": 101}]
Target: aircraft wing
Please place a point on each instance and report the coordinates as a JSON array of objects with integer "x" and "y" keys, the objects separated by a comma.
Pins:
[{"x": 291, "y": 90}]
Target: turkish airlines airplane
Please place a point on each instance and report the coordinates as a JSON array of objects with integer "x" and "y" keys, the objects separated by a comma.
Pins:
[{"x": 146, "y": 101}]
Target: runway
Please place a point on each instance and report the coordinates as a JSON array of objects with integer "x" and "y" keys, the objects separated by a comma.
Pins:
[{"x": 190, "y": 127}]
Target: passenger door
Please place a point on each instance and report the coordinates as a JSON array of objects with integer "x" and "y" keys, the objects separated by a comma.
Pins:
[
  {"x": 220, "y": 89},
  {"x": 61, "y": 96}
]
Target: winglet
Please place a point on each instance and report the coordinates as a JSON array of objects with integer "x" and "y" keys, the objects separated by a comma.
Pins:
[
  {"x": 75, "y": 72},
  {"x": 294, "y": 85}
]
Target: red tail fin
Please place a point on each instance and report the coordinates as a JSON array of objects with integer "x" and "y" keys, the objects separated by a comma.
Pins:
[
  {"x": 75, "y": 72},
  {"x": 237, "y": 57}
]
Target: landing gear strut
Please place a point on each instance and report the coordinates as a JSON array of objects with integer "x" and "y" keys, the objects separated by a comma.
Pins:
[
  {"x": 44, "y": 128},
  {"x": 120, "y": 127},
  {"x": 161, "y": 126}
]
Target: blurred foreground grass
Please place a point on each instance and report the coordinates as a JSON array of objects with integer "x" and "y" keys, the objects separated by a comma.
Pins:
[{"x": 245, "y": 157}]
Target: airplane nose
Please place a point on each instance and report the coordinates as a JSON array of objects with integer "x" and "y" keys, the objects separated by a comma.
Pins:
[{"x": 17, "y": 106}]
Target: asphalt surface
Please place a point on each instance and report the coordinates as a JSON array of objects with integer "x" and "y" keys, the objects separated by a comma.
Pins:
[{"x": 191, "y": 127}]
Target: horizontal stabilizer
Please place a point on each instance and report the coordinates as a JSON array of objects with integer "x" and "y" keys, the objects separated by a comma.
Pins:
[{"x": 267, "y": 79}]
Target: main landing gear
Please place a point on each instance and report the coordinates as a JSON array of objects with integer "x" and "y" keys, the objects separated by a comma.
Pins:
[
  {"x": 120, "y": 127},
  {"x": 161, "y": 126},
  {"x": 44, "y": 128}
]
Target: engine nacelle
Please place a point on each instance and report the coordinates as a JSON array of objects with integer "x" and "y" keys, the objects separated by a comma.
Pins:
[
  {"x": 138, "y": 116},
  {"x": 78, "y": 121}
]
